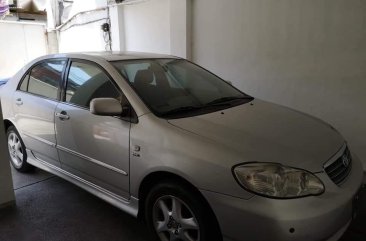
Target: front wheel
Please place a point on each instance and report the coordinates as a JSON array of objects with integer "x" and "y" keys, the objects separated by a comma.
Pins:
[
  {"x": 17, "y": 151},
  {"x": 175, "y": 213}
]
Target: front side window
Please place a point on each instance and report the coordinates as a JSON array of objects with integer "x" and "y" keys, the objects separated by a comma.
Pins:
[
  {"x": 44, "y": 79},
  {"x": 177, "y": 88},
  {"x": 24, "y": 85},
  {"x": 87, "y": 81}
]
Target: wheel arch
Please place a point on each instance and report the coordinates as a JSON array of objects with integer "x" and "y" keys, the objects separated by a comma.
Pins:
[
  {"x": 164, "y": 176},
  {"x": 161, "y": 176},
  {"x": 7, "y": 124}
]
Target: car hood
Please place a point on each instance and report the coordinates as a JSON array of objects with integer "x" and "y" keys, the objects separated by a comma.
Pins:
[{"x": 264, "y": 132}]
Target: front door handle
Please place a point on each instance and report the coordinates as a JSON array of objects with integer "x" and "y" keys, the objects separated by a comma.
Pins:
[
  {"x": 62, "y": 115},
  {"x": 18, "y": 102}
]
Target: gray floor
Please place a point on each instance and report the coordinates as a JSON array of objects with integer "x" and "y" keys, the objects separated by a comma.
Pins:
[{"x": 51, "y": 209}]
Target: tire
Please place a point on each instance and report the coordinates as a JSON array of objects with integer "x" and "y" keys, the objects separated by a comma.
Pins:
[
  {"x": 17, "y": 151},
  {"x": 177, "y": 212}
]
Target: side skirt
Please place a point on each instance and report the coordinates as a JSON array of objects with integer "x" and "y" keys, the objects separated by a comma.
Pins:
[{"x": 129, "y": 206}]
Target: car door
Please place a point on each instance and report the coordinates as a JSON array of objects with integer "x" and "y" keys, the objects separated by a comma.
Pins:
[
  {"x": 34, "y": 104},
  {"x": 94, "y": 148}
]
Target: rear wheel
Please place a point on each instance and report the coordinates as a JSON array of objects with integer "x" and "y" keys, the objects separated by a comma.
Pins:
[
  {"x": 17, "y": 151},
  {"x": 176, "y": 213}
]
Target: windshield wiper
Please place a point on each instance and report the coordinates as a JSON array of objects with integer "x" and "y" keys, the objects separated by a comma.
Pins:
[
  {"x": 226, "y": 100},
  {"x": 216, "y": 102},
  {"x": 182, "y": 109}
]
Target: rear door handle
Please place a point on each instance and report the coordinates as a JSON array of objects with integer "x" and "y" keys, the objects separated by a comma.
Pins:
[
  {"x": 18, "y": 101},
  {"x": 62, "y": 115}
]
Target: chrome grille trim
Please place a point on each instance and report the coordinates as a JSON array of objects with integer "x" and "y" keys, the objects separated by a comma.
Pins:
[{"x": 339, "y": 166}]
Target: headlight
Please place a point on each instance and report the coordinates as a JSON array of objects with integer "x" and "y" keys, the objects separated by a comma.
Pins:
[{"x": 277, "y": 181}]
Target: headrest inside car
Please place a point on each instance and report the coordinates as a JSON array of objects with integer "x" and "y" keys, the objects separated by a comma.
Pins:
[{"x": 144, "y": 77}]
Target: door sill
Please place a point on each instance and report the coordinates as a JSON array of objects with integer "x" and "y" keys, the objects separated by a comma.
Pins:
[{"x": 129, "y": 206}]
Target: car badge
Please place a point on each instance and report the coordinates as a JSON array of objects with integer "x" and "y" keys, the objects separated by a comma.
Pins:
[{"x": 345, "y": 160}]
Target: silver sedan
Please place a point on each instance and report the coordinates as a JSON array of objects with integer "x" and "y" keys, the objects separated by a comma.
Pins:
[{"x": 170, "y": 142}]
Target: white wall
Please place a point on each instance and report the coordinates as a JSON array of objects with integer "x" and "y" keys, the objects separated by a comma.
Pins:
[
  {"x": 84, "y": 33},
  {"x": 309, "y": 55},
  {"x": 159, "y": 26},
  {"x": 117, "y": 27},
  {"x": 82, "y": 38},
  {"x": 147, "y": 26},
  {"x": 19, "y": 44},
  {"x": 86, "y": 5},
  {"x": 180, "y": 28}
]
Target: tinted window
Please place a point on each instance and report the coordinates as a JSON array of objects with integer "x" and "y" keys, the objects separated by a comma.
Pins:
[
  {"x": 176, "y": 87},
  {"x": 86, "y": 82},
  {"x": 24, "y": 85},
  {"x": 45, "y": 78}
]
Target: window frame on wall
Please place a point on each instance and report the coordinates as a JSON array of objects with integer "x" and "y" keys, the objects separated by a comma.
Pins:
[{"x": 26, "y": 77}]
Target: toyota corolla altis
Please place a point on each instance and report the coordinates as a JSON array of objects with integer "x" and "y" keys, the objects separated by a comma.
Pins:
[{"x": 168, "y": 141}]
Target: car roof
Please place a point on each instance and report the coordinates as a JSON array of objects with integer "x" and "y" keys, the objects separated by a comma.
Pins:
[{"x": 113, "y": 55}]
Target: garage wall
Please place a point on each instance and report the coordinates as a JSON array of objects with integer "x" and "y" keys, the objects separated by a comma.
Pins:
[
  {"x": 159, "y": 26},
  {"x": 308, "y": 55},
  {"x": 83, "y": 5},
  {"x": 147, "y": 26},
  {"x": 136, "y": 26},
  {"x": 87, "y": 37},
  {"x": 83, "y": 32},
  {"x": 19, "y": 44}
]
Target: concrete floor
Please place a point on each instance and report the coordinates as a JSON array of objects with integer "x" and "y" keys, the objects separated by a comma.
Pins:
[{"x": 51, "y": 209}]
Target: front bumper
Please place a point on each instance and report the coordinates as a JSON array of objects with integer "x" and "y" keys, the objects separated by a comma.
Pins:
[{"x": 314, "y": 218}]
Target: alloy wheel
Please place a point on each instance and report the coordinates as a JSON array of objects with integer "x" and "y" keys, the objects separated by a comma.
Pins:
[
  {"x": 15, "y": 149},
  {"x": 174, "y": 220}
]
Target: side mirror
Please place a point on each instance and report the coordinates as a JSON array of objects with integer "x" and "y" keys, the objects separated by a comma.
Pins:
[{"x": 106, "y": 107}]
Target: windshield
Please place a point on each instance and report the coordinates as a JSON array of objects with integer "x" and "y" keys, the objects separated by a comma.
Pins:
[{"x": 178, "y": 88}]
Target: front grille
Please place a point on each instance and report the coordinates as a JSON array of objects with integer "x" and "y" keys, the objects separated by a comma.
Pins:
[{"x": 339, "y": 170}]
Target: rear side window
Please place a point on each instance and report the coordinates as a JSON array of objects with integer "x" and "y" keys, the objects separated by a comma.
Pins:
[
  {"x": 44, "y": 79},
  {"x": 87, "y": 81}
]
